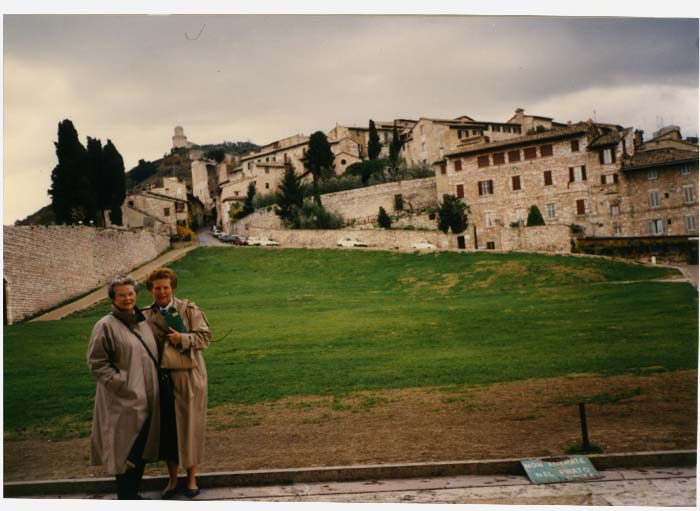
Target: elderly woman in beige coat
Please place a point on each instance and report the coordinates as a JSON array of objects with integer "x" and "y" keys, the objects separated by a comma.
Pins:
[
  {"x": 184, "y": 416},
  {"x": 122, "y": 357}
]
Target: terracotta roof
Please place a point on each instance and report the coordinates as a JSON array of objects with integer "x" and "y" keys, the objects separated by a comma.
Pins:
[
  {"x": 525, "y": 140},
  {"x": 659, "y": 158}
]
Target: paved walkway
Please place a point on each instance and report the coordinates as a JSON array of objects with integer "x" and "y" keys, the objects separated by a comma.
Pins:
[
  {"x": 101, "y": 294},
  {"x": 623, "y": 487},
  {"x": 690, "y": 271}
]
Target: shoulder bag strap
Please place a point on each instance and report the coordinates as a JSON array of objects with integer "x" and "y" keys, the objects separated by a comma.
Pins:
[{"x": 150, "y": 355}]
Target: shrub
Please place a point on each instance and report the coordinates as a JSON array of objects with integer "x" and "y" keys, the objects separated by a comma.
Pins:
[
  {"x": 314, "y": 216},
  {"x": 534, "y": 217},
  {"x": 383, "y": 219},
  {"x": 183, "y": 234}
]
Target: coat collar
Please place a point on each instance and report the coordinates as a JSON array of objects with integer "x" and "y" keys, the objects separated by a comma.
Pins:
[{"x": 131, "y": 320}]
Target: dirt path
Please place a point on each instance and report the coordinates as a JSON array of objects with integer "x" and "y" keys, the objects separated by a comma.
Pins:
[{"x": 522, "y": 419}]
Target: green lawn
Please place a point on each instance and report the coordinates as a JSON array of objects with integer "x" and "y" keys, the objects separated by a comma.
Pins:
[{"x": 327, "y": 322}]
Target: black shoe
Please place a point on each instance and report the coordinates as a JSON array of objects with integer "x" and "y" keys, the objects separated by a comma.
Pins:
[
  {"x": 168, "y": 494},
  {"x": 192, "y": 493},
  {"x": 140, "y": 497}
]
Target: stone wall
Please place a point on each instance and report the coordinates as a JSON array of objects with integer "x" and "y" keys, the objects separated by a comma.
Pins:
[
  {"x": 545, "y": 238},
  {"x": 378, "y": 238},
  {"x": 360, "y": 206},
  {"x": 46, "y": 265}
]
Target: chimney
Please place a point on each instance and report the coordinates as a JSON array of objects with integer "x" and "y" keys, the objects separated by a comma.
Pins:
[{"x": 638, "y": 138}]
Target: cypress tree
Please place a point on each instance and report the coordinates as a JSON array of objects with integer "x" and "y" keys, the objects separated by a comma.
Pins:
[
  {"x": 115, "y": 181},
  {"x": 290, "y": 196},
  {"x": 374, "y": 146},
  {"x": 68, "y": 178},
  {"x": 394, "y": 151},
  {"x": 248, "y": 207},
  {"x": 99, "y": 197},
  {"x": 319, "y": 160}
]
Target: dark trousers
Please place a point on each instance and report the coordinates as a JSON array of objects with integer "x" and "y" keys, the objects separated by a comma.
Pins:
[{"x": 129, "y": 483}]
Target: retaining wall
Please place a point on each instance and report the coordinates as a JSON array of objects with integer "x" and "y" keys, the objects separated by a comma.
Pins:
[{"x": 47, "y": 265}]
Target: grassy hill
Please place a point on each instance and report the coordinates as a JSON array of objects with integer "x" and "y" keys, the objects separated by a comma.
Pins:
[{"x": 328, "y": 322}]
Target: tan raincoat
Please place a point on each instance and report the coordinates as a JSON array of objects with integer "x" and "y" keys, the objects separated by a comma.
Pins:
[
  {"x": 190, "y": 385},
  {"x": 127, "y": 392}
]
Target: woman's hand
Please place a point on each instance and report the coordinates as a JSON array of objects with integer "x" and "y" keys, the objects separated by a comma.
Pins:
[{"x": 174, "y": 337}]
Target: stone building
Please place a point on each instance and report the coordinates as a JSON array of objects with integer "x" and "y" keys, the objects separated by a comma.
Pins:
[
  {"x": 361, "y": 134},
  {"x": 661, "y": 185},
  {"x": 429, "y": 139},
  {"x": 169, "y": 204},
  {"x": 586, "y": 175}
]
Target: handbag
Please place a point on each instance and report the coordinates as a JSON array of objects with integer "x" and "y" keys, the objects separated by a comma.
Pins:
[{"x": 174, "y": 358}]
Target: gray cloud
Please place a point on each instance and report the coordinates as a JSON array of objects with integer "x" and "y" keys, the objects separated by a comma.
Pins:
[{"x": 132, "y": 78}]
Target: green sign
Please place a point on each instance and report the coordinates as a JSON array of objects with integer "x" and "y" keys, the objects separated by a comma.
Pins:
[{"x": 557, "y": 470}]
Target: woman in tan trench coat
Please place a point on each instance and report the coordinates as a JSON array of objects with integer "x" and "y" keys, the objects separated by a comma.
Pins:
[
  {"x": 125, "y": 425},
  {"x": 183, "y": 429}
]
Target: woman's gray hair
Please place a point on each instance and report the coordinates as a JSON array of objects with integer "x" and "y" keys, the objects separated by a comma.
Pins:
[{"x": 121, "y": 281}]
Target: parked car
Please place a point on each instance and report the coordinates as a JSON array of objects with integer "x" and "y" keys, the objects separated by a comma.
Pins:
[
  {"x": 350, "y": 242},
  {"x": 240, "y": 241},
  {"x": 254, "y": 241},
  {"x": 423, "y": 245},
  {"x": 268, "y": 242}
]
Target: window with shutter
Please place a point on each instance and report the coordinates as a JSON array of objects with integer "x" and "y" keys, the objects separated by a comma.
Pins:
[
  {"x": 499, "y": 158},
  {"x": 581, "y": 207},
  {"x": 654, "y": 201},
  {"x": 458, "y": 165},
  {"x": 548, "y": 178},
  {"x": 516, "y": 183},
  {"x": 574, "y": 146},
  {"x": 485, "y": 187},
  {"x": 688, "y": 195},
  {"x": 166, "y": 211},
  {"x": 530, "y": 153},
  {"x": 546, "y": 150},
  {"x": 551, "y": 211},
  {"x": 483, "y": 161},
  {"x": 460, "y": 191},
  {"x": 443, "y": 168},
  {"x": 514, "y": 155}
]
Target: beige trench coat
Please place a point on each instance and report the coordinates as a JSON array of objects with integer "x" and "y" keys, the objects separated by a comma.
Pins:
[
  {"x": 126, "y": 395},
  {"x": 190, "y": 385}
]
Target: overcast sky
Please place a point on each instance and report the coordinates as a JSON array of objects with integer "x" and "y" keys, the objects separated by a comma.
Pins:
[{"x": 132, "y": 79}]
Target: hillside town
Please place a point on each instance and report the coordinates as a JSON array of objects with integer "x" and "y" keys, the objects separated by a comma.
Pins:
[{"x": 595, "y": 180}]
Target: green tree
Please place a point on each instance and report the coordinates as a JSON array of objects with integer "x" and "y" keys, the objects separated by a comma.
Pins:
[
  {"x": 290, "y": 196},
  {"x": 318, "y": 160},
  {"x": 99, "y": 194},
  {"x": 115, "y": 181},
  {"x": 248, "y": 206},
  {"x": 534, "y": 217},
  {"x": 384, "y": 220},
  {"x": 452, "y": 214},
  {"x": 374, "y": 146},
  {"x": 366, "y": 169},
  {"x": 394, "y": 152},
  {"x": 141, "y": 172},
  {"x": 218, "y": 155},
  {"x": 68, "y": 176}
]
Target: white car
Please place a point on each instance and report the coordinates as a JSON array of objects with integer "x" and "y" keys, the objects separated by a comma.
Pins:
[
  {"x": 423, "y": 245},
  {"x": 350, "y": 242},
  {"x": 262, "y": 242}
]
